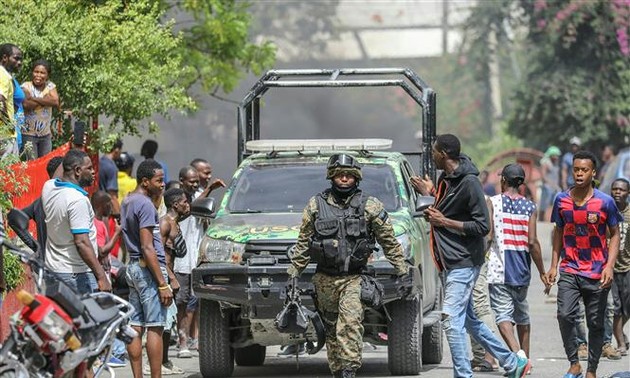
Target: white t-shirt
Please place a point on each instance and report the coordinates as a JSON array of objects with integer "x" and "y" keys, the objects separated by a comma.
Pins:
[
  {"x": 192, "y": 232},
  {"x": 68, "y": 212}
]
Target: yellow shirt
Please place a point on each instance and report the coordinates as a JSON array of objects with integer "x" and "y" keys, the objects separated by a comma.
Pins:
[
  {"x": 6, "y": 90},
  {"x": 126, "y": 185}
]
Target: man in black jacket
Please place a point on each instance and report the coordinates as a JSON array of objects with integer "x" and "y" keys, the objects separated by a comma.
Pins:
[{"x": 459, "y": 223}]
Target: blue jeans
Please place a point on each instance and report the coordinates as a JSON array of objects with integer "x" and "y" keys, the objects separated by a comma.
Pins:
[
  {"x": 81, "y": 283},
  {"x": 459, "y": 319}
]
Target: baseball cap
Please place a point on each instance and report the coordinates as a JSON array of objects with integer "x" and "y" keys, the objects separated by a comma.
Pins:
[
  {"x": 575, "y": 140},
  {"x": 513, "y": 171}
]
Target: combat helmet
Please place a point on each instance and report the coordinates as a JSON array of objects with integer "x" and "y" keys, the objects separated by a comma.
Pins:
[{"x": 343, "y": 163}]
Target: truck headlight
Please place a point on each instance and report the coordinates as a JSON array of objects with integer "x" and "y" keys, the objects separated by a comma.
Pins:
[
  {"x": 404, "y": 241},
  {"x": 216, "y": 250}
]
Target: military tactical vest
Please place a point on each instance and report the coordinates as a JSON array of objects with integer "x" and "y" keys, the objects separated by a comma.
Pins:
[{"x": 342, "y": 241}]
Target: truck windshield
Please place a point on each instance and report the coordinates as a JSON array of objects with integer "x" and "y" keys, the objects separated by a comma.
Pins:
[{"x": 281, "y": 188}]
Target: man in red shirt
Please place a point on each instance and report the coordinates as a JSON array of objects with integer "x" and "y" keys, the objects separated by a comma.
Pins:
[{"x": 582, "y": 215}]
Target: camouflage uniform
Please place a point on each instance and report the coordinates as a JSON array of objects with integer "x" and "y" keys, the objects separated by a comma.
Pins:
[{"x": 339, "y": 297}]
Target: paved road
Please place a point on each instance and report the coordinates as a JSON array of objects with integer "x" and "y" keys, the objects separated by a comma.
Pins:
[{"x": 548, "y": 356}]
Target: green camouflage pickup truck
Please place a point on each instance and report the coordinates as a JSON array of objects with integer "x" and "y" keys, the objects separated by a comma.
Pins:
[{"x": 243, "y": 258}]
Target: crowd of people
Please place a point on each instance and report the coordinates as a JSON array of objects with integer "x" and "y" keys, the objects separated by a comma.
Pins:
[
  {"x": 493, "y": 239},
  {"x": 130, "y": 222},
  {"x": 159, "y": 243},
  {"x": 482, "y": 241}
]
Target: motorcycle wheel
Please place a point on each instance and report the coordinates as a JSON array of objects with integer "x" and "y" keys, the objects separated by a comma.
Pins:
[{"x": 12, "y": 369}]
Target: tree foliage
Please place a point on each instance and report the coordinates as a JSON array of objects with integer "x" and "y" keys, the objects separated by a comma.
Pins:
[
  {"x": 216, "y": 42},
  {"x": 577, "y": 80},
  {"x": 126, "y": 60}
]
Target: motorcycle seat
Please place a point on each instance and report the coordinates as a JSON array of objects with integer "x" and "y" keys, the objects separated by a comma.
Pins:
[{"x": 100, "y": 313}]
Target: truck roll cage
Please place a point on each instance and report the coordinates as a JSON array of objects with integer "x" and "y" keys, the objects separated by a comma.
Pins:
[{"x": 248, "y": 112}]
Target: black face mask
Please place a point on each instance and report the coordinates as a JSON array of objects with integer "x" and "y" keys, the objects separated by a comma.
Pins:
[{"x": 343, "y": 193}]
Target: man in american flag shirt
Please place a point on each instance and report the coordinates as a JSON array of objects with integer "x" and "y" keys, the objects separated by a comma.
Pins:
[
  {"x": 582, "y": 215},
  {"x": 513, "y": 244}
]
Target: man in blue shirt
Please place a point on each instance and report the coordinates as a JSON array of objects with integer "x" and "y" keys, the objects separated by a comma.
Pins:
[
  {"x": 149, "y": 291},
  {"x": 108, "y": 174}
]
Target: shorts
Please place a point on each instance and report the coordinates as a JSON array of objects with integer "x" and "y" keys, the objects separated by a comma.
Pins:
[
  {"x": 185, "y": 296},
  {"x": 144, "y": 296},
  {"x": 509, "y": 303},
  {"x": 621, "y": 293}
]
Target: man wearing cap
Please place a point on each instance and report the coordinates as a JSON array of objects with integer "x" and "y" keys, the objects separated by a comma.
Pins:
[
  {"x": 566, "y": 179},
  {"x": 513, "y": 244},
  {"x": 582, "y": 217},
  {"x": 550, "y": 172},
  {"x": 340, "y": 227}
]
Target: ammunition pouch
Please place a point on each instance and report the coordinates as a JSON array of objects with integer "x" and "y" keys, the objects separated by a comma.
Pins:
[{"x": 372, "y": 291}]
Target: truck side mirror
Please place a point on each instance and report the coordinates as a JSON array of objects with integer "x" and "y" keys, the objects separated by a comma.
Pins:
[
  {"x": 203, "y": 208},
  {"x": 422, "y": 203}
]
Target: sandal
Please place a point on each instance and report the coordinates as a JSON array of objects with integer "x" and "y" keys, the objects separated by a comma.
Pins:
[{"x": 483, "y": 367}]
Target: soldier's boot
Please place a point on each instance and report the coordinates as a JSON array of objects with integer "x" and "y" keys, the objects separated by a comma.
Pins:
[{"x": 348, "y": 373}]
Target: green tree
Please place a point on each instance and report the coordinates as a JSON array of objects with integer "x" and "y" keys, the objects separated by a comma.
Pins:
[
  {"x": 577, "y": 78},
  {"x": 127, "y": 60},
  {"x": 215, "y": 35}
]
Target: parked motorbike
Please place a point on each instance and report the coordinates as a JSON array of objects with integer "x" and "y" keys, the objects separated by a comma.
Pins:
[{"x": 60, "y": 333}]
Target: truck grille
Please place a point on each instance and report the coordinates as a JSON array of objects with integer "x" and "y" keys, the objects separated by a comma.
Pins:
[{"x": 276, "y": 248}]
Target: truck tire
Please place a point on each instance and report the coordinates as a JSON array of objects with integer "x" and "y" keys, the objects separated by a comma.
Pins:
[
  {"x": 253, "y": 355},
  {"x": 432, "y": 344},
  {"x": 432, "y": 348},
  {"x": 216, "y": 357},
  {"x": 404, "y": 332}
]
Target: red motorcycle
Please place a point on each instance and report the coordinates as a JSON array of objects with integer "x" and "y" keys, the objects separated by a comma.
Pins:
[{"x": 60, "y": 333}]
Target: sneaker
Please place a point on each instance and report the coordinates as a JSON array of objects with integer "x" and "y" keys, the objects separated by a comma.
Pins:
[
  {"x": 291, "y": 350},
  {"x": 623, "y": 351},
  {"x": 169, "y": 369},
  {"x": 193, "y": 344},
  {"x": 146, "y": 369},
  {"x": 184, "y": 353},
  {"x": 583, "y": 352},
  {"x": 522, "y": 366},
  {"x": 117, "y": 362},
  {"x": 611, "y": 353}
]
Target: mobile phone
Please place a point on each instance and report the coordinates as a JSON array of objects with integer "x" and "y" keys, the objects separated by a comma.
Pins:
[{"x": 78, "y": 133}]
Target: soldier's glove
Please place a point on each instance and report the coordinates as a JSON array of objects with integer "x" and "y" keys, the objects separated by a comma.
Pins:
[{"x": 405, "y": 285}]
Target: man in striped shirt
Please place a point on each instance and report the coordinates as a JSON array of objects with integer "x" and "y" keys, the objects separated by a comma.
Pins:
[{"x": 513, "y": 244}]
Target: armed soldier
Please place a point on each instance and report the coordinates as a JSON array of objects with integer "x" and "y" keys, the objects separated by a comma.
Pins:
[{"x": 339, "y": 229}]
